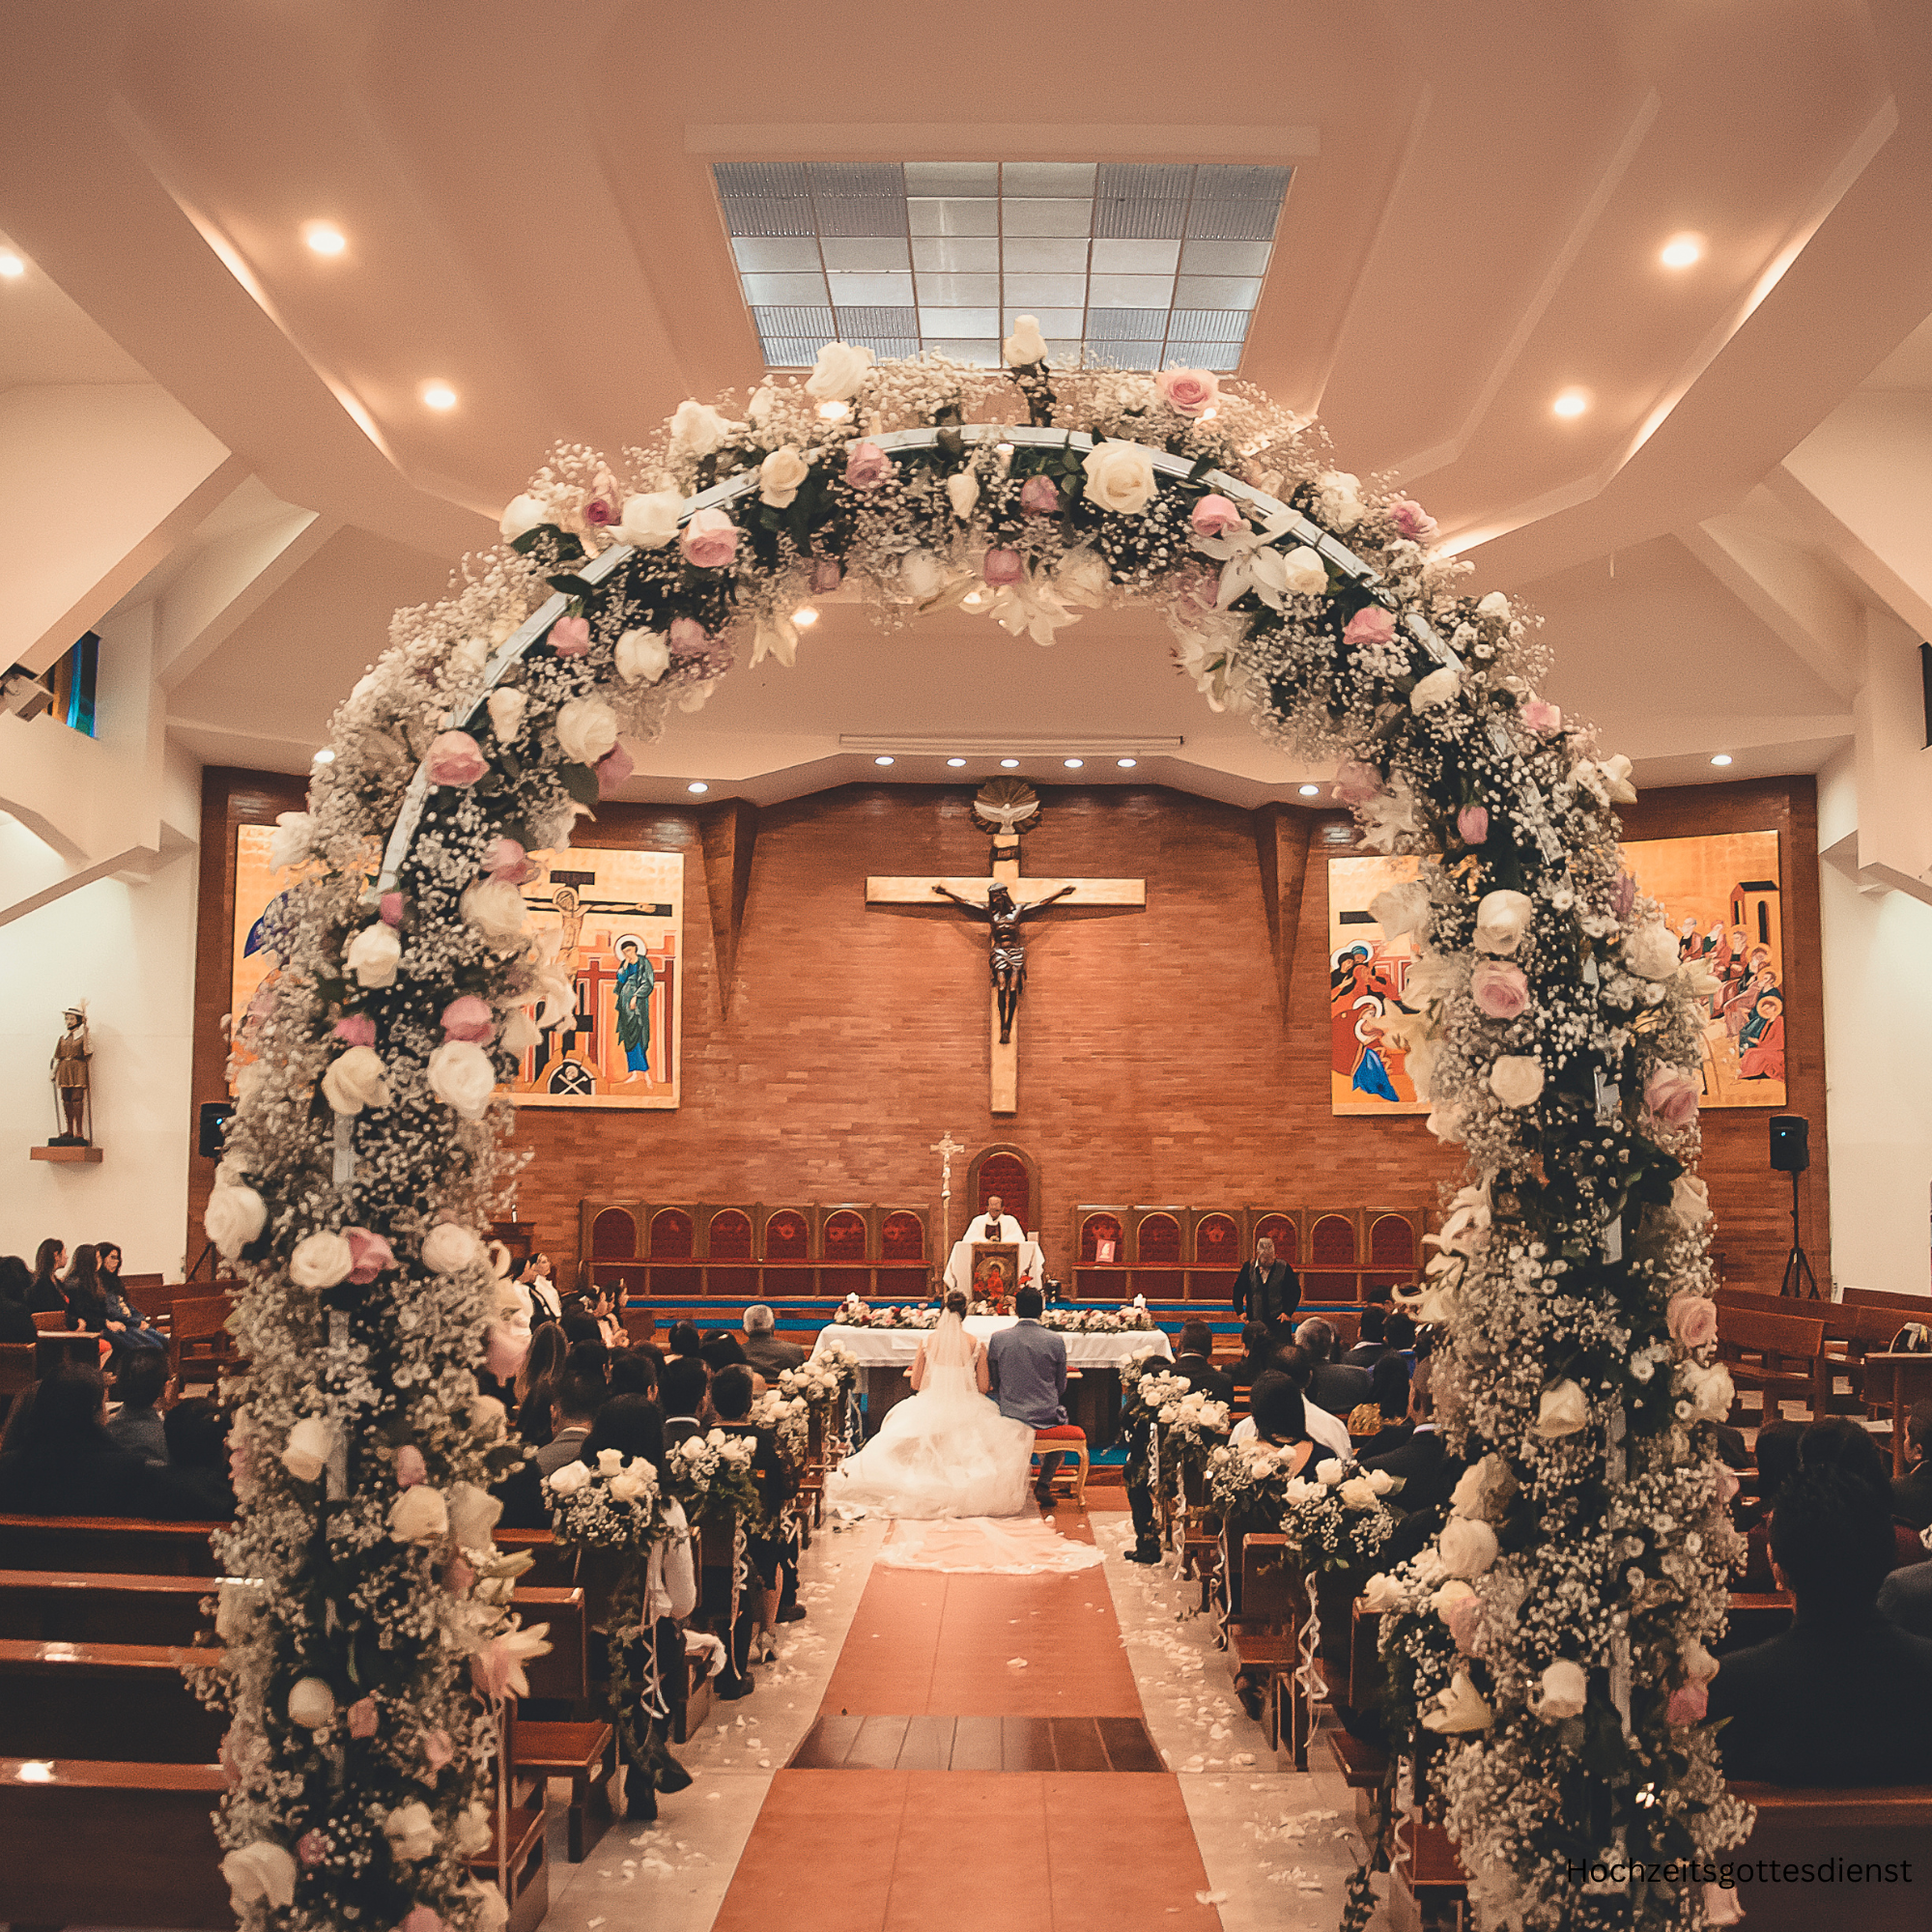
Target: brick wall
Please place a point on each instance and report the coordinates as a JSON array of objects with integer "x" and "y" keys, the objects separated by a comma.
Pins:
[{"x": 1156, "y": 1064}]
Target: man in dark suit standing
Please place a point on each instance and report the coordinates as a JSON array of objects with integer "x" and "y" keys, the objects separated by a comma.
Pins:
[
  {"x": 1268, "y": 1290},
  {"x": 1194, "y": 1366}
]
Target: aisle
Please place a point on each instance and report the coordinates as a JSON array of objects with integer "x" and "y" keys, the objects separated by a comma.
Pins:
[{"x": 979, "y": 1753}]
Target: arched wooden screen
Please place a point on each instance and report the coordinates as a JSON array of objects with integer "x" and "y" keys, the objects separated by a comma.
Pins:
[
  {"x": 1392, "y": 1259},
  {"x": 614, "y": 1235},
  {"x": 901, "y": 1238},
  {"x": 730, "y": 1235},
  {"x": 1281, "y": 1230},
  {"x": 1157, "y": 1242},
  {"x": 1003, "y": 1174},
  {"x": 844, "y": 1237},
  {"x": 1217, "y": 1242},
  {"x": 1330, "y": 1274},
  {"x": 1095, "y": 1229},
  {"x": 786, "y": 1236},
  {"x": 670, "y": 1235}
]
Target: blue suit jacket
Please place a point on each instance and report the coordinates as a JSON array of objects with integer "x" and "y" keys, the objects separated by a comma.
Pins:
[{"x": 1027, "y": 1367}]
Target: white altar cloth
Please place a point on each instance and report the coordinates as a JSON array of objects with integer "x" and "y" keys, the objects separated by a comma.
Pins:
[{"x": 895, "y": 1348}]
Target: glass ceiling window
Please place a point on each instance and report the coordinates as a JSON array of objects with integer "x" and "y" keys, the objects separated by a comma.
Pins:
[{"x": 1137, "y": 265}]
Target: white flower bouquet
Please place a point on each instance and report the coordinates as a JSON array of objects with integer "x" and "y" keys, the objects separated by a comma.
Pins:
[
  {"x": 612, "y": 1504},
  {"x": 711, "y": 1476}
]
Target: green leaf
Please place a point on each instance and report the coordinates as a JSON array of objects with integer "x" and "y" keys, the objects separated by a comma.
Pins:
[
  {"x": 571, "y": 585},
  {"x": 579, "y": 781}
]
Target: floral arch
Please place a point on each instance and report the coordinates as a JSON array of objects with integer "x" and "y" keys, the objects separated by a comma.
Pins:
[{"x": 1549, "y": 1647}]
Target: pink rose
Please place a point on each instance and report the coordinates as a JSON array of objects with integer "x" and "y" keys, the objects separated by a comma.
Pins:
[
  {"x": 1003, "y": 566},
  {"x": 1499, "y": 988},
  {"x": 1191, "y": 391},
  {"x": 1671, "y": 1094},
  {"x": 390, "y": 908},
  {"x": 1472, "y": 824},
  {"x": 1039, "y": 497},
  {"x": 613, "y": 769},
  {"x": 1369, "y": 625},
  {"x": 455, "y": 760},
  {"x": 410, "y": 1468},
  {"x": 1625, "y": 895},
  {"x": 570, "y": 636},
  {"x": 438, "y": 1750},
  {"x": 1464, "y": 1614},
  {"x": 1197, "y": 584},
  {"x": 240, "y": 1464},
  {"x": 1727, "y": 1484},
  {"x": 312, "y": 1847},
  {"x": 827, "y": 575},
  {"x": 504, "y": 1350},
  {"x": 468, "y": 1018},
  {"x": 357, "y": 1029},
  {"x": 421, "y": 1918},
  {"x": 362, "y": 1718},
  {"x": 369, "y": 1255},
  {"x": 599, "y": 511},
  {"x": 1411, "y": 519},
  {"x": 457, "y": 1576},
  {"x": 1355, "y": 783},
  {"x": 1692, "y": 1321},
  {"x": 688, "y": 639},
  {"x": 1543, "y": 717},
  {"x": 710, "y": 540},
  {"x": 866, "y": 465},
  {"x": 1689, "y": 1703},
  {"x": 504, "y": 859},
  {"x": 1216, "y": 516}
]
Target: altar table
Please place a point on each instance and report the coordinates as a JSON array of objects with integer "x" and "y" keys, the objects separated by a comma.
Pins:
[{"x": 895, "y": 1348}]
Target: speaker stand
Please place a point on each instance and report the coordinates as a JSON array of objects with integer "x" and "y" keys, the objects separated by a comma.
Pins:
[{"x": 1799, "y": 1280}]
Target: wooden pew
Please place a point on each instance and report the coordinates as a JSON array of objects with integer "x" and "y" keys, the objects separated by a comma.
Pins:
[
  {"x": 1780, "y": 1355},
  {"x": 134, "y": 1844},
  {"x": 105, "y": 1701},
  {"x": 199, "y": 1345},
  {"x": 552, "y": 1566},
  {"x": 130, "y": 1545},
  {"x": 71, "y": 1606},
  {"x": 18, "y": 1370},
  {"x": 1864, "y": 1827},
  {"x": 1895, "y": 1383},
  {"x": 1262, "y": 1638},
  {"x": 1853, "y": 1330},
  {"x": 577, "y": 1745}
]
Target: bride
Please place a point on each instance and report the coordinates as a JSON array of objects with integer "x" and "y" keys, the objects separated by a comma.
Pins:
[{"x": 946, "y": 1452}]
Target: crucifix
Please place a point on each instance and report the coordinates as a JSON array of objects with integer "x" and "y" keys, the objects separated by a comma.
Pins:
[
  {"x": 1006, "y": 810},
  {"x": 946, "y": 1147}
]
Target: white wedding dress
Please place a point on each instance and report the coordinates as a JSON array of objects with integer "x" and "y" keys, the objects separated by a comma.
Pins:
[{"x": 948, "y": 1453}]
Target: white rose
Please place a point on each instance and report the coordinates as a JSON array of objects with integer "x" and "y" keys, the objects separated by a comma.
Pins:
[
  {"x": 1516, "y": 1079},
  {"x": 1119, "y": 478},
  {"x": 311, "y": 1703},
  {"x": 1380, "y": 1482},
  {"x": 1650, "y": 952},
  {"x": 587, "y": 730},
  {"x": 1401, "y": 909},
  {"x": 1562, "y": 1691},
  {"x": 1448, "y": 1597},
  {"x": 697, "y": 428},
  {"x": 1357, "y": 1493},
  {"x": 1433, "y": 692},
  {"x": 494, "y": 907},
  {"x": 610, "y": 1462},
  {"x": 354, "y": 1080},
  {"x": 233, "y": 1218},
  {"x": 1085, "y": 577},
  {"x": 261, "y": 1872},
  {"x": 650, "y": 520},
  {"x": 490, "y": 1419},
  {"x": 462, "y": 1077},
  {"x": 838, "y": 374},
  {"x": 448, "y": 1248},
  {"x": 1710, "y": 1390},
  {"x": 320, "y": 1260},
  {"x": 1459, "y": 1709},
  {"x": 373, "y": 955},
  {"x": 418, "y": 1515},
  {"x": 1026, "y": 344},
  {"x": 922, "y": 574},
  {"x": 1468, "y": 1546},
  {"x": 473, "y": 1831},
  {"x": 523, "y": 515},
  {"x": 1616, "y": 772},
  {"x": 1689, "y": 1201},
  {"x": 1563, "y": 1410},
  {"x": 505, "y": 707},
  {"x": 295, "y": 837},
  {"x": 1382, "y": 1593},
  {"x": 411, "y": 1829},
  {"x": 643, "y": 654},
  {"x": 1479, "y": 1483},
  {"x": 1338, "y": 499},
  {"x": 1303, "y": 573},
  {"x": 1502, "y": 918},
  {"x": 628, "y": 1486},
  {"x": 779, "y": 476},
  {"x": 962, "y": 492},
  {"x": 1494, "y": 605},
  {"x": 1329, "y": 1472},
  {"x": 473, "y": 1515},
  {"x": 519, "y": 1032},
  {"x": 307, "y": 1451}
]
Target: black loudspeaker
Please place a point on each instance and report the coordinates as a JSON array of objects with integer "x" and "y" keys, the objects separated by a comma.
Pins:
[
  {"x": 215, "y": 1116},
  {"x": 1790, "y": 1144}
]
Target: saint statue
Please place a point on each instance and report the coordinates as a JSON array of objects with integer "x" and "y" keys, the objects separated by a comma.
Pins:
[
  {"x": 1008, "y": 959},
  {"x": 637, "y": 978},
  {"x": 69, "y": 1069}
]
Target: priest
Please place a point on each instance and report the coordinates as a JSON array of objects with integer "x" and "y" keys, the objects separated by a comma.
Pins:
[{"x": 994, "y": 1225}]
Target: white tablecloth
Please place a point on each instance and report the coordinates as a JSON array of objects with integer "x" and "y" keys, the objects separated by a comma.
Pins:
[{"x": 894, "y": 1348}]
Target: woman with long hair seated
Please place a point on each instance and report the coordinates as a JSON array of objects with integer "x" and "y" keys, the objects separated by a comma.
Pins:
[
  {"x": 536, "y": 1385},
  {"x": 62, "y": 1461}
]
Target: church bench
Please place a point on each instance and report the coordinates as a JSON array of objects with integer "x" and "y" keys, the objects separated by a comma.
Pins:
[
  {"x": 127, "y": 1544},
  {"x": 1268, "y": 1607},
  {"x": 522, "y": 1869},
  {"x": 67, "y": 1607},
  {"x": 1895, "y": 1382},
  {"x": 18, "y": 1371},
  {"x": 1781, "y": 1355},
  {"x": 1853, "y": 1330},
  {"x": 200, "y": 1346},
  {"x": 553, "y": 1566},
  {"x": 1801, "y": 1825},
  {"x": 584, "y": 1752},
  {"x": 106, "y": 1842},
  {"x": 105, "y": 1701}
]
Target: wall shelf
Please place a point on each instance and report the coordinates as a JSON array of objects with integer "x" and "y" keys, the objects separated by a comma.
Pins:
[{"x": 88, "y": 1154}]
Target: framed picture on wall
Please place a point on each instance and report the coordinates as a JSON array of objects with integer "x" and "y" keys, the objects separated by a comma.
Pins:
[
  {"x": 1367, "y": 973},
  {"x": 254, "y": 956}
]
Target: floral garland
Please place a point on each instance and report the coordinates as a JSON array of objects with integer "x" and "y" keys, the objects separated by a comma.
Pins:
[
  {"x": 1097, "y": 1320},
  {"x": 1548, "y": 1019},
  {"x": 790, "y": 1419},
  {"x": 824, "y": 1379},
  {"x": 852, "y": 1313}
]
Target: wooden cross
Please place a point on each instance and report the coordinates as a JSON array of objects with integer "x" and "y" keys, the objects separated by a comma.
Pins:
[
  {"x": 946, "y": 1147},
  {"x": 1003, "y": 1094}
]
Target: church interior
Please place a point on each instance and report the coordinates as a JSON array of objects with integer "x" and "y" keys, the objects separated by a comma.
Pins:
[{"x": 980, "y": 933}]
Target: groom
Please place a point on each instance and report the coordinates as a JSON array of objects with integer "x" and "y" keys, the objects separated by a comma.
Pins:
[{"x": 1025, "y": 1366}]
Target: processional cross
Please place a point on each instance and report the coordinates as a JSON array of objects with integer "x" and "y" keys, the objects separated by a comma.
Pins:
[
  {"x": 946, "y": 1147},
  {"x": 1005, "y": 809}
]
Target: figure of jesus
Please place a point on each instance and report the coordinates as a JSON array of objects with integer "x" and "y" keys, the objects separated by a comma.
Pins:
[{"x": 1009, "y": 955}]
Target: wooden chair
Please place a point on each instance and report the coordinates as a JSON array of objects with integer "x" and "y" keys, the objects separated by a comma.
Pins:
[{"x": 199, "y": 1345}]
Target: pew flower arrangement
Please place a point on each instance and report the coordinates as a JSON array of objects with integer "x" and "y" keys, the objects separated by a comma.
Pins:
[
  {"x": 824, "y": 1379},
  {"x": 612, "y": 1505},
  {"x": 1551, "y": 1026},
  {"x": 1335, "y": 1518},
  {"x": 711, "y": 1476},
  {"x": 790, "y": 1419},
  {"x": 1128, "y": 1321}
]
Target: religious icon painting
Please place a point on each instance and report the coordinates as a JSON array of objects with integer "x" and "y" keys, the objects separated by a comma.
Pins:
[
  {"x": 996, "y": 1272},
  {"x": 1720, "y": 896},
  {"x": 254, "y": 957},
  {"x": 620, "y": 915},
  {"x": 1368, "y": 972}
]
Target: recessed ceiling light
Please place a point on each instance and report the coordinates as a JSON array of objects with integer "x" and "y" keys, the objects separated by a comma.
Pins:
[
  {"x": 882, "y": 759},
  {"x": 325, "y": 757},
  {"x": 955, "y": 763},
  {"x": 805, "y": 616},
  {"x": 439, "y": 396},
  {"x": 1126, "y": 764},
  {"x": 697, "y": 784},
  {"x": 1009, "y": 764},
  {"x": 1309, "y": 791},
  {"x": 1073, "y": 764},
  {"x": 11, "y": 267},
  {"x": 1571, "y": 403},
  {"x": 325, "y": 238},
  {"x": 1680, "y": 251},
  {"x": 1722, "y": 758}
]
